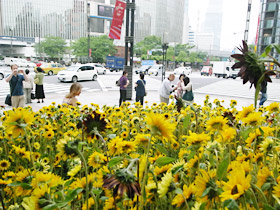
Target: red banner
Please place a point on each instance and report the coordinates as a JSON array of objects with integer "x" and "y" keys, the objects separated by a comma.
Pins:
[{"x": 116, "y": 26}]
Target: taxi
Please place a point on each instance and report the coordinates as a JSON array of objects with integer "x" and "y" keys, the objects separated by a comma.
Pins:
[{"x": 51, "y": 68}]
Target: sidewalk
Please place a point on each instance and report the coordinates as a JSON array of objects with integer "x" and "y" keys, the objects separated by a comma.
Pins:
[{"x": 109, "y": 95}]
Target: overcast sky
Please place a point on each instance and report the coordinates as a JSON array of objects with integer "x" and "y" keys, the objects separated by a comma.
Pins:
[{"x": 234, "y": 20}]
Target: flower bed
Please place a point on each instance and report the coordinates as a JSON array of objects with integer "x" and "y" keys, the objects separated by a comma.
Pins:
[{"x": 132, "y": 157}]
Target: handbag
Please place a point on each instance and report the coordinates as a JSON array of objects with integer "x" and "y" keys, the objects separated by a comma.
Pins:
[
  {"x": 188, "y": 95},
  {"x": 118, "y": 82},
  {"x": 36, "y": 81},
  {"x": 144, "y": 87},
  {"x": 32, "y": 96}
]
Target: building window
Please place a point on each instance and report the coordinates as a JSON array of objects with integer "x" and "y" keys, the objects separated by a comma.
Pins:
[
  {"x": 113, "y": 2},
  {"x": 100, "y": 1},
  {"x": 271, "y": 6},
  {"x": 96, "y": 25},
  {"x": 268, "y": 23}
]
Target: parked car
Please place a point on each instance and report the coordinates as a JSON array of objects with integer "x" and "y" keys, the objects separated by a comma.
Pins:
[
  {"x": 206, "y": 70},
  {"x": 183, "y": 70},
  {"x": 156, "y": 70},
  {"x": 142, "y": 69},
  {"x": 77, "y": 73},
  {"x": 51, "y": 68},
  {"x": 2, "y": 63},
  {"x": 100, "y": 69},
  {"x": 2, "y": 74}
]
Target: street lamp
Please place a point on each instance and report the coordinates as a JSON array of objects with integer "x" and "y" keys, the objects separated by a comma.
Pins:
[
  {"x": 11, "y": 31},
  {"x": 164, "y": 50},
  {"x": 88, "y": 30}
]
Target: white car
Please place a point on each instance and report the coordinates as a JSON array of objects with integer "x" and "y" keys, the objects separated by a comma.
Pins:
[
  {"x": 156, "y": 70},
  {"x": 77, "y": 73},
  {"x": 24, "y": 63},
  {"x": 2, "y": 74},
  {"x": 100, "y": 69},
  {"x": 183, "y": 70}
]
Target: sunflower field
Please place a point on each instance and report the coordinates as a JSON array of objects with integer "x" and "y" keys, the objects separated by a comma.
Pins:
[{"x": 134, "y": 157}]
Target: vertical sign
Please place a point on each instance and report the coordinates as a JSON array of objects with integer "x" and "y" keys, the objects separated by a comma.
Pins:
[
  {"x": 116, "y": 26},
  {"x": 89, "y": 52}
]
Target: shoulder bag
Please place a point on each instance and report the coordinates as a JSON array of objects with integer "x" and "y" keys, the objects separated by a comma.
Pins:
[
  {"x": 144, "y": 87},
  {"x": 188, "y": 95}
]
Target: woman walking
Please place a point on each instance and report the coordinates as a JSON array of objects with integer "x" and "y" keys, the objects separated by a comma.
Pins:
[
  {"x": 187, "y": 96},
  {"x": 70, "y": 98},
  {"x": 140, "y": 89},
  {"x": 38, "y": 80}
]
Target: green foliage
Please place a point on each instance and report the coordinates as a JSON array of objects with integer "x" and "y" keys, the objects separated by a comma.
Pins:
[
  {"x": 53, "y": 46},
  {"x": 149, "y": 43},
  {"x": 182, "y": 57},
  {"x": 101, "y": 47}
]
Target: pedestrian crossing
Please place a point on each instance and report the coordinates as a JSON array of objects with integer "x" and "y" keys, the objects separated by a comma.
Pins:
[
  {"x": 235, "y": 88},
  {"x": 48, "y": 88}
]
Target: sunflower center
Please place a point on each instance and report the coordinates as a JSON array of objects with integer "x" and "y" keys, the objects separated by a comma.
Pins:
[
  {"x": 4, "y": 164},
  {"x": 234, "y": 190},
  {"x": 217, "y": 125}
]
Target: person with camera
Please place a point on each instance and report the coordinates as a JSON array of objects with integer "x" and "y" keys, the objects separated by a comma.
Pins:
[
  {"x": 166, "y": 89},
  {"x": 16, "y": 86}
]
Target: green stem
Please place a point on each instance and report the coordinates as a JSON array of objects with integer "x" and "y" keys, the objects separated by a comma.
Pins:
[
  {"x": 254, "y": 199},
  {"x": 95, "y": 199},
  {"x": 261, "y": 193},
  {"x": 1, "y": 198},
  {"x": 244, "y": 203},
  {"x": 31, "y": 155},
  {"x": 86, "y": 171}
]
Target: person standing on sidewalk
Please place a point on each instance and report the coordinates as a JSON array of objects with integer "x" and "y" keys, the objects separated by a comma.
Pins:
[
  {"x": 15, "y": 80},
  {"x": 28, "y": 87},
  {"x": 263, "y": 92},
  {"x": 70, "y": 98},
  {"x": 124, "y": 82},
  {"x": 38, "y": 80},
  {"x": 166, "y": 89},
  {"x": 179, "y": 85},
  {"x": 140, "y": 89}
]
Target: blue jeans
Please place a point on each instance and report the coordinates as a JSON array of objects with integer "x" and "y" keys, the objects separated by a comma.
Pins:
[{"x": 263, "y": 99}]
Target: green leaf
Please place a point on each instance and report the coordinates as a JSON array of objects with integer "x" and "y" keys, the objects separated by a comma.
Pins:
[
  {"x": 114, "y": 161},
  {"x": 72, "y": 194},
  {"x": 268, "y": 207},
  {"x": 277, "y": 48},
  {"x": 187, "y": 121},
  {"x": 164, "y": 161},
  {"x": 50, "y": 207},
  {"x": 161, "y": 148},
  {"x": 266, "y": 186},
  {"x": 104, "y": 198},
  {"x": 222, "y": 168},
  {"x": 97, "y": 191},
  {"x": 192, "y": 154},
  {"x": 23, "y": 185},
  {"x": 179, "y": 191},
  {"x": 258, "y": 88},
  {"x": 205, "y": 192},
  {"x": 231, "y": 204},
  {"x": 202, "y": 206},
  {"x": 267, "y": 51}
]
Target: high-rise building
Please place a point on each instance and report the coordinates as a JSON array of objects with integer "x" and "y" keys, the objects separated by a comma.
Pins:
[
  {"x": 269, "y": 27},
  {"x": 213, "y": 22},
  {"x": 40, "y": 18},
  {"x": 163, "y": 18}
]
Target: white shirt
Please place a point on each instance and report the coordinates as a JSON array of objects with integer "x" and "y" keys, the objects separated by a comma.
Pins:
[
  {"x": 188, "y": 87},
  {"x": 28, "y": 84},
  {"x": 166, "y": 88}
]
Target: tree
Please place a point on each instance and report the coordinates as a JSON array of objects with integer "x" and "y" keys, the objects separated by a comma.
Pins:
[
  {"x": 101, "y": 47},
  {"x": 53, "y": 46},
  {"x": 149, "y": 43},
  {"x": 182, "y": 57},
  {"x": 182, "y": 47}
]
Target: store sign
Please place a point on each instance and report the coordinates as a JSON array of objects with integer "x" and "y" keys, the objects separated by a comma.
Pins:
[
  {"x": 116, "y": 26},
  {"x": 105, "y": 11}
]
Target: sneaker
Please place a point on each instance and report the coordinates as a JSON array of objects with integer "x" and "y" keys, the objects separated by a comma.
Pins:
[{"x": 38, "y": 102}]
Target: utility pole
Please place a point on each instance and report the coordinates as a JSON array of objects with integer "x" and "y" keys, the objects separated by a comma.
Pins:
[
  {"x": 88, "y": 31},
  {"x": 129, "y": 42},
  {"x": 247, "y": 21}
]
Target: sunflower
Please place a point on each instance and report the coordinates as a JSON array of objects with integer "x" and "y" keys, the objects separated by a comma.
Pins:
[
  {"x": 142, "y": 138},
  {"x": 96, "y": 159},
  {"x": 36, "y": 145},
  {"x": 264, "y": 175},
  {"x": 94, "y": 120},
  {"x": 175, "y": 145},
  {"x": 266, "y": 145},
  {"x": 17, "y": 121},
  {"x": 164, "y": 185},
  {"x": 237, "y": 184},
  {"x": 246, "y": 111},
  {"x": 49, "y": 134},
  {"x": 276, "y": 189},
  {"x": 65, "y": 148},
  {"x": 218, "y": 123},
  {"x": 180, "y": 198},
  {"x": 160, "y": 126},
  {"x": 124, "y": 135},
  {"x": 233, "y": 103},
  {"x": 40, "y": 192},
  {"x": 74, "y": 170},
  {"x": 254, "y": 119},
  {"x": 197, "y": 139},
  {"x": 90, "y": 204},
  {"x": 4, "y": 165},
  {"x": 273, "y": 107}
]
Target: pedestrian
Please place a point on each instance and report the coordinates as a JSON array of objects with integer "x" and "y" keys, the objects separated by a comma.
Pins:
[
  {"x": 140, "y": 89},
  {"x": 263, "y": 93},
  {"x": 179, "y": 86},
  {"x": 124, "y": 82},
  {"x": 28, "y": 87},
  {"x": 187, "y": 96},
  {"x": 166, "y": 89},
  {"x": 70, "y": 98},
  {"x": 16, "y": 87},
  {"x": 38, "y": 80}
]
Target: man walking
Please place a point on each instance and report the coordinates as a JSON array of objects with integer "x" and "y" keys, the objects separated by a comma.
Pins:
[
  {"x": 16, "y": 87},
  {"x": 264, "y": 94},
  {"x": 124, "y": 82},
  {"x": 166, "y": 89}
]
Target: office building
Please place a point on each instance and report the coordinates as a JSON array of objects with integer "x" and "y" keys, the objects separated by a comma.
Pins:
[{"x": 269, "y": 27}]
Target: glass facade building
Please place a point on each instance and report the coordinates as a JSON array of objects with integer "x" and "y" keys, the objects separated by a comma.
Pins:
[
  {"x": 41, "y": 18},
  {"x": 269, "y": 27}
]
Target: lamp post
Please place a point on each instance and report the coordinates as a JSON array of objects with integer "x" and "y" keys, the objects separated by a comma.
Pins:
[
  {"x": 11, "y": 31},
  {"x": 88, "y": 30},
  {"x": 164, "y": 49}
]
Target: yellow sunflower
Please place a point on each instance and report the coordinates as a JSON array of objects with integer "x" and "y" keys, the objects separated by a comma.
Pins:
[
  {"x": 266, "y": 145},
  {"x": 196, "y": 139},
  {"x": 246, "y": 111},
  {"x": 164, "y": 184},
  {"x": 273, "y": 107},
  {"x": 160, "y": 126},
  {"x": 254, "y": 119},
  {"x": 263, "y": 175},
  {"x": 17, "y": 121},
  {"x": 96, "y": 159},
  {"x": 4, "y": 165},
  {"x": 218, "y": 123},
  {"x": 90, "y": 204},
  {"x": 180, "y": 198}
]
